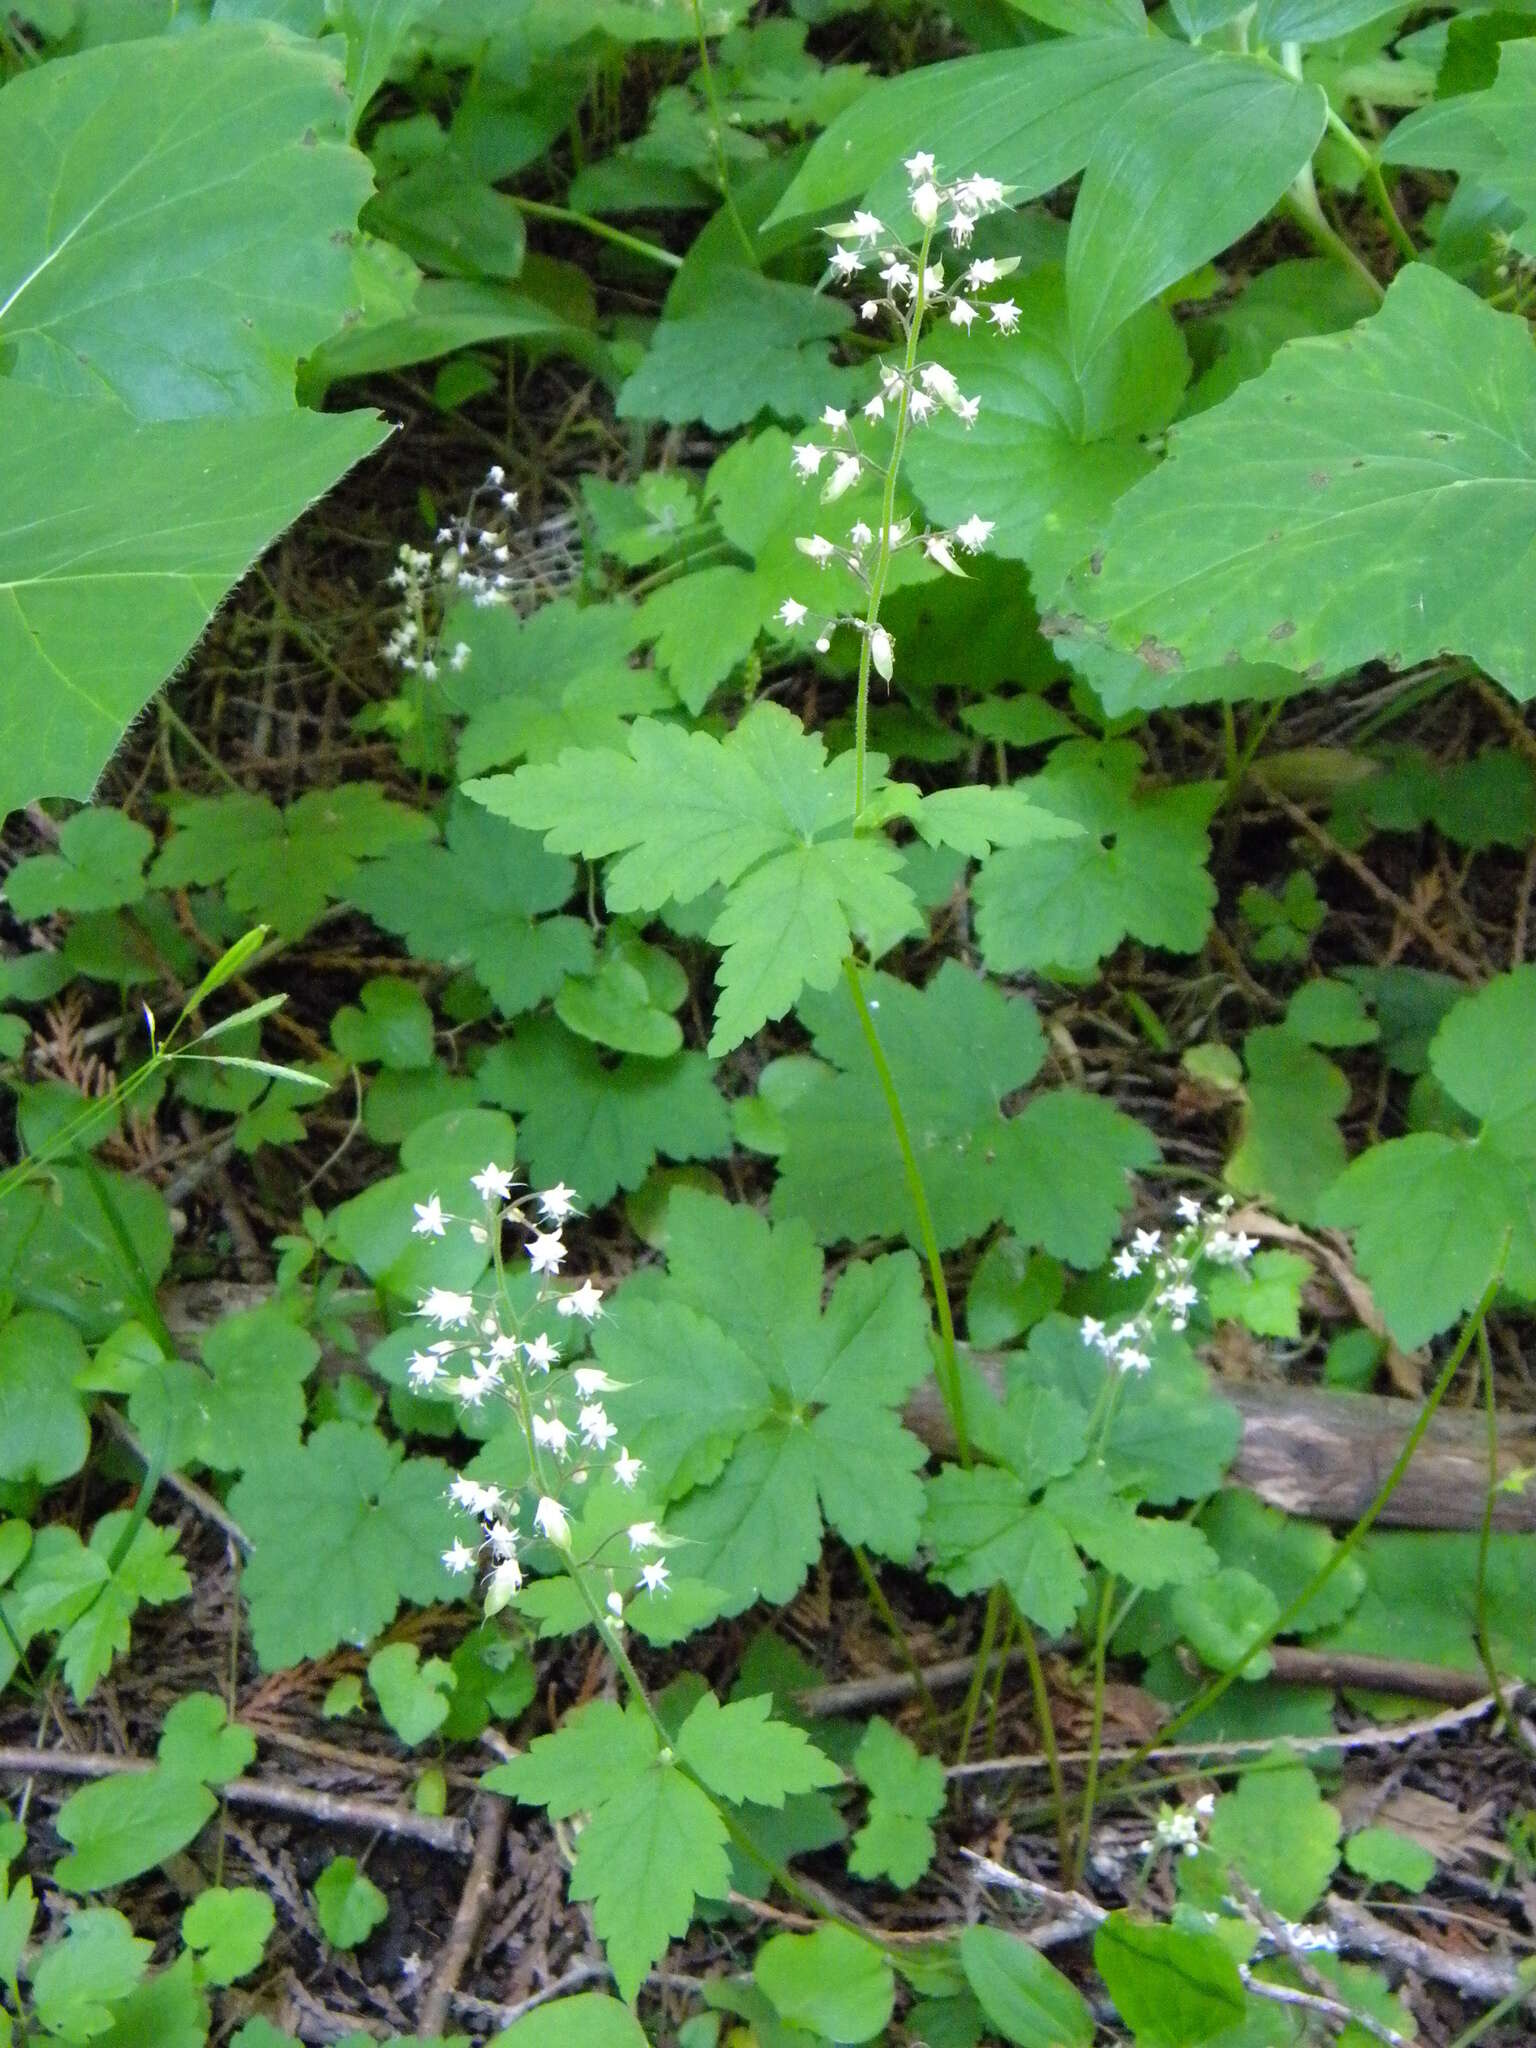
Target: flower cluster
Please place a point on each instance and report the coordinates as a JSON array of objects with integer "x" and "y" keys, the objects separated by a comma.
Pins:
[
  {"x": 470, "y": 561},
  {"x": 1169, "y": 1264},
  {"x": 904, "y": 286},
  {"x": 483, "y": 1352},
  {"x": 1178, "y": 1827}
]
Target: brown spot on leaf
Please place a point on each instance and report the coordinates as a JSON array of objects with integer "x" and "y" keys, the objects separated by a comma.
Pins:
[
  {"x": 1163, "y": 661},
  {"x": 1283, "y": 631},
  {"x": 309, "y": 139},
  {"x": 1320, "y": 478},
  {"x": 1096, "y": 562}
]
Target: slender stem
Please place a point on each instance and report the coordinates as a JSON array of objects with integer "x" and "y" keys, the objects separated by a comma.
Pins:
[
  {"x": 1348, "y": 1544},
  {"x": 717, "y": 138},
  {"x": 1481, "y": 2025},
  {"x": 1045, "y": 1722},
  {"x": 989, "y": 1621},
  {"x": 1481, "y": 1631},
  {"x": 1314, "y": 223},
  {"x": 896, "y": 1632},
  {"x": 1375, "y": 184},
  {"x": 1011, "y": 1626},
  {"x": 948, "y": 1373},
  {"x": 1095, "y": 1734},
  {"x": 540, "y": 209},
  {"x": 880, "y": 573}
]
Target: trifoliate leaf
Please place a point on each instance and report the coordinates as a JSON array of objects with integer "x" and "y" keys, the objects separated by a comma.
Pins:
[
  {"x": 746, "y": 1758},
  {"x": 1144, "y": 1550},
  {"x": 377, "y": 1522},
  {"x": 1433, "y": 1214},
  {"x": 76, "y": 1982},
  {"x": 704, "y": 625},
  {"x": 983, "y": 1532},
  {"x": 44, "y": 1429},
  {"x": 761, "y": 346},
  {"x": 835, "y": 1984},
  {"x": 1280, "y": 1833},
  {"x": 71, "y": 1589},
  {"x": 596, "y": 1127},
  {"x": 1264, "y": 1295},
  {"x": 348, "y": 1904},
  {"x": 229, "y": 1930},
  {"x": 413, "y": 1696},
  {"x": 1137, "y": 869},
  {"x": 390, "y": 1025},
  {"x": 559, "y": 678},
  {"x": 906, "y": 1791},
  {"x": 1056, "y": 1172},
  {"x": 284, "y": 866},
  {"x": 1053, "y": 446},
  {"x": 98, "y": 866},
  {"x": 762, "y": 811},
  {"x": 802, "y": 1417},
  {"x": 1338, "y": 452}
]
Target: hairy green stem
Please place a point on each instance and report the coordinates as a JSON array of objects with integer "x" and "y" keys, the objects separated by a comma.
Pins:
[
  {"x": 1375, "y": 185},
  {"x": 896, "y": 1632},
  {"x": 1346, "y": 1547},
  {"x": 717, "y": 137},
  {"x": 969, "y": 1711},
  {"x": 1095, "y": 1735},
  {"x": 541, "y": 209},
  {"x": 1482, "y": 1633},
  {"x": 1045, "y": 1723},
  {"x": 948, "y": 1371},
  {"x": 880, "y": 573}
]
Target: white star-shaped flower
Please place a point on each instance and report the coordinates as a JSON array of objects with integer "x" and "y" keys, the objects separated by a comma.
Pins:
[
  {"x": 627, "y": 1469},
  {"x": 430, "y": 1221},
  {"x": 808, "y": 457},
  {"x": 445, "y": 1308},
  {"x": 586, "y": 1302},
  {"x": 791, "y": 612},
  {"x": 549, "y": 1518},
  {"x": 493, "y": 1183},
  {"x": 540, "y": 1353},
  {"x": 558, "y": 1202},
  {"x": 654, "y": 1576},
  {"x": 974, "y": 533},
  {"x": 546, "y": 1251}
]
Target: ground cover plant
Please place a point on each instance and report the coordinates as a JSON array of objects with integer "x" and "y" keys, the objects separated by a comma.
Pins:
[{"x": 768, "y": 1210}]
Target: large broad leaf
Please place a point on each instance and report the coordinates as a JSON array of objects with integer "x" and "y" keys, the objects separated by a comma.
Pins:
[
  {"x": 100, "y": 600},
  {"x": 1029, "y": 117},
  {"x": 1190, "y": 162},
  {"x": 1052, "y": 447},
  {"x": 1371, "y": 495},
  {"x": 177, "y": 220},
  {"x": 1488, "y": 135}
]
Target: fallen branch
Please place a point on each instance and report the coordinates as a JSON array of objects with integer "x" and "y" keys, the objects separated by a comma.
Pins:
[
  {"x": 489, "y": 1821},
  {"x": 273, "y": 1795}
]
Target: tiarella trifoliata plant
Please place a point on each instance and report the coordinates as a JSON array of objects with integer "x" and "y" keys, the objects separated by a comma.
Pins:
[
  {"x": 487, "y": 1352},
  {"x": 468, "y": 560},
  {"x": 1168, "y": 1262},
  {"x": 903, "y": 285}
]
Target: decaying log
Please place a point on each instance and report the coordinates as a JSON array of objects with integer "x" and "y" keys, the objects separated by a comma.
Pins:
[{"x": 1324, "y": 1456}]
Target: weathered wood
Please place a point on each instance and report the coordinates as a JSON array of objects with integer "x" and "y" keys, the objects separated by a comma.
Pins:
[{"x": 1324, "y": 1456}]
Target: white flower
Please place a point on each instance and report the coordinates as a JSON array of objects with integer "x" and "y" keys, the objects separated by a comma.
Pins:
[
  {"x": 962, "y": 313},
  {"x": 919, "y": 166},
  {"x": 459, "y": 658},
  {"x": 881, "y": 651},
  {"x": 597, "y": 1432},
  {"x": 974, "y": 533},
  {"x": 503, "y": 1348},
  {"x": 1004, "y": 315},
  {"x": 654, "y": 1576},
  {"x": 469, "y": 1493},
  {"x": 819, "y": 549},
  {"x": 899, "y": 276},
  {"x": 920, "y": 407},
  {"x": 937, "y": 549},
  {"x": 961, "y": 226},
  {"x": 1126, "y": 1264},
  {"x": 834, "y": 418},
  {"x": 502, "y": 1539},
  {"x": 645, "y": 1536},
  {"x": 447, "y": 1309},
  {"x": 860, "y": 534},
  {"x": 869, "y": 309},
  {"x": 1092, "y": 1330},
  {"x": 459, "y": 1557},
  {"x": 429, "y": 1219},
  {"x": 843, "y": 477},
  {"x": 422, "y": 1369},
  {"x": 546, "y": 1251},
  {"x": 540, "y": 1353},
  {"x": 935, "y": 378},
  {"x": 875, "y": 408},
  {"x": 1188, "y": 1210},
  {"x": 586, "y": 1302},
  {"x": 808, "y": 457},
  {"x": 627, "y": 1469},
  {"x": 933, "y": 280},
  {"x": 979, "y": 195},
  {"x": 495, "y": 474},
  {"x": 983, "y": 271},
  {"x": 1179, "y": 1298},
  {"x": 558, "y": 1202},
  {"x": 591, "y": 1379},
  {"x": 551, "y": 1434},
  {"x": 615, "y": 1604},
  {"x": 1230, "y": 1248},
  {"x": 492, "y": 1183},
  {"x": 845, "y": 261},
  {"x": 867, "y": 226},
  {"x": 1132, "y": 1360},
  {"x": 967, "y": 410},
  {"x": 505, "y": 1580},
  {"x": 1146, "y": 1242},
  {"x": 549, "y": 1518}
]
